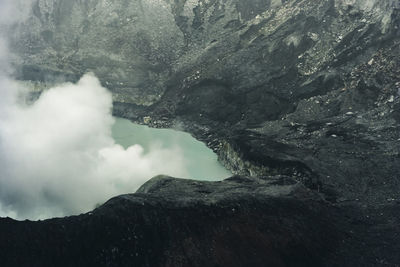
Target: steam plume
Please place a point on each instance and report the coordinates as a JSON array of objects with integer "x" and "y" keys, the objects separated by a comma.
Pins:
[{"x": 57, "y": 156}]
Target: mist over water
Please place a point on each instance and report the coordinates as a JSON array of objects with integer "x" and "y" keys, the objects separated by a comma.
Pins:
[
  {"x": 58, "y": 156},
  {"x": 200, "y": 162}
]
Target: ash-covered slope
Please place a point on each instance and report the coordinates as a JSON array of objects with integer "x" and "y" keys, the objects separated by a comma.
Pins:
[{"x": 307, "y": 89}]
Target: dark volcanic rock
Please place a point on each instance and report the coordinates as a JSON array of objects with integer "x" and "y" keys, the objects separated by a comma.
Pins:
[
  {"x": 305, "y": 89},
  {"x": 271, "y": 221}
]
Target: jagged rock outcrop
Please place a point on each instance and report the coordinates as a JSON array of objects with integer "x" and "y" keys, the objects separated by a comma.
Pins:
[
  {"x": 270, "y": 221},
  {"x": 306, "y": 89}
]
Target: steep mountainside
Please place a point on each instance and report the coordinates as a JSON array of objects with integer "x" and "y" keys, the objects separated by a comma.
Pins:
[{"x": 278, "y": 88}]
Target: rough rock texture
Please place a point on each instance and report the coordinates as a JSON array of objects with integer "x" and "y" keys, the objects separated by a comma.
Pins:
[
  {"x": 306, "y": 89},
  {"x": 271, "y": 221}
]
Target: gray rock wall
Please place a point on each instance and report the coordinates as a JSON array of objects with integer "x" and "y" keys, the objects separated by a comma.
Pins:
[
  {"x": 290, "y": 71},
  {"x": 130, "y": 45},
  {"x": 269, "y": 48}
]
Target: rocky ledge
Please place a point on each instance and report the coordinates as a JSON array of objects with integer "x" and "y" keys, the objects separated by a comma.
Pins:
[{"x": 268, "y": 221}]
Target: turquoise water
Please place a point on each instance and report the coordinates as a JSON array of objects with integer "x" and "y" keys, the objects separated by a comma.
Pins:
[{"x": 201, "y": 162}]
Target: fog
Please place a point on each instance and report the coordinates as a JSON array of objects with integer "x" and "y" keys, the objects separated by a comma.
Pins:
[
  {"x": 57, "y": 156},
  {"x": 12, "y": 11}
]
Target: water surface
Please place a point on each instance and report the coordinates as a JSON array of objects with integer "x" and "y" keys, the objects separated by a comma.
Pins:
[{"x": 201, "y": 162}]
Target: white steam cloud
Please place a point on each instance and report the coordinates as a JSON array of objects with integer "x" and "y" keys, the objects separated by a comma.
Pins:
[
  {"x": 57, "y": 156},
  {"x": 12, "y": 11}
]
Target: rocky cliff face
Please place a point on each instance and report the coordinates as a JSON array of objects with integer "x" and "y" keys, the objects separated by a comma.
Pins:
[{"x": 305, "y": 89}]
